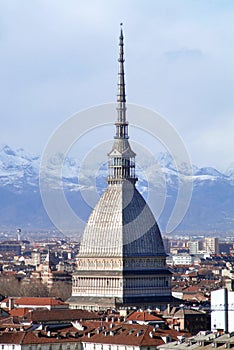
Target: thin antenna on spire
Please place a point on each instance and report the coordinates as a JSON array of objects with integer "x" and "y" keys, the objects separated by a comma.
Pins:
[
  {"x": 121, "y": 83},
  {"x": 121, "y": 30},
  {"x": 121, "y": 124}
]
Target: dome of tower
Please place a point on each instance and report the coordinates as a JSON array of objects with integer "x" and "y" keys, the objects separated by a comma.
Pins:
[{"x": 121, "y": 224}]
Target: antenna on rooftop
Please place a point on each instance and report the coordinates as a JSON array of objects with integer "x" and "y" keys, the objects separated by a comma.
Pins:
[{"x": 18, "y": 234}]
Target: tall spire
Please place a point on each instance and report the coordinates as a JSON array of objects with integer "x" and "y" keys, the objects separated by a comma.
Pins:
[
  {"x": 121, "y": 124},
  {"x": 121, "y": 84},
  {"x": 121, "y": 165}
]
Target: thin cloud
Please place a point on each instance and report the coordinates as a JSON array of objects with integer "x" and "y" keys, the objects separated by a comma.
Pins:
[{"x": 184, "y": 53}]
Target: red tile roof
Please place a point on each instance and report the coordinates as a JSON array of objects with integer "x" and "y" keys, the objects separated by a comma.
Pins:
[
  {"x": 38, "y": 301},
  {"x": 31, "y": 337},
  {"x": 62, "y": 315},
  {"x": 95, "y": 332},
  {"x": 127, "y": 334},
  {"x": 143, "y": 316},
  {"x": 191, "y": 289},
  {"x": 9, "y": 321},
  {"x": 20, "y": 312}
]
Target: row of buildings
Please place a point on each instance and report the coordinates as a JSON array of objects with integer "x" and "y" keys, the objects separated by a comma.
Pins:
[
  {"x": 202, "y": 246},
  {"x": 33, "y": 323}
]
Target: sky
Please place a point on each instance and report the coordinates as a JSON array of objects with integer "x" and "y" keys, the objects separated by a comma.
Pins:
[{"x": 59, "y": 57}]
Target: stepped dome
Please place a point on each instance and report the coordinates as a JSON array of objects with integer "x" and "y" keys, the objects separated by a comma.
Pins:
[{"x": 121, "y": 224}]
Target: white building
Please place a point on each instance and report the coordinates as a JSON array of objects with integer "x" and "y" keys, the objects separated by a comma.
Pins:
[
  {"x": 183, "y": 259},
  {"x": 195, "y": 247},
  {"x": 222, "y": 310}
]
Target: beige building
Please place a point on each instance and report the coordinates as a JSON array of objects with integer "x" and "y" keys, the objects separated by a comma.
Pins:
[
  {"x": 47, "y": 276},
  {"x": 211, "y": 245}
]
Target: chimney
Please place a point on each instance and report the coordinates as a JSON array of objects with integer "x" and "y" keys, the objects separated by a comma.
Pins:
[
  {"x": 151, "y": 334},
  {"x": 10, "y": 304},
  {"x": 99, "y": 330},
  {"x": 139, "y": 333}
]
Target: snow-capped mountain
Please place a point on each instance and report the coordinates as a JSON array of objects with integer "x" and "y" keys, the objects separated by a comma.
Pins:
[
  {"x": 230, "y": 171},
  {"x": 18, "y": 169},
  {"x": 211, "y": 206}
]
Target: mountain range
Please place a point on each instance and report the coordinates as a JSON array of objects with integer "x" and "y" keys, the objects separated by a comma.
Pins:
[{"x": 211, "y": 208}]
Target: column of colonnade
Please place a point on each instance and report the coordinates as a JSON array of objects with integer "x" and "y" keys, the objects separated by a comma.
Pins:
[
  {"x": 95, "y": 284},
  {"x": 155, "y": 281},
  {"x": 136, "y": 282}
]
